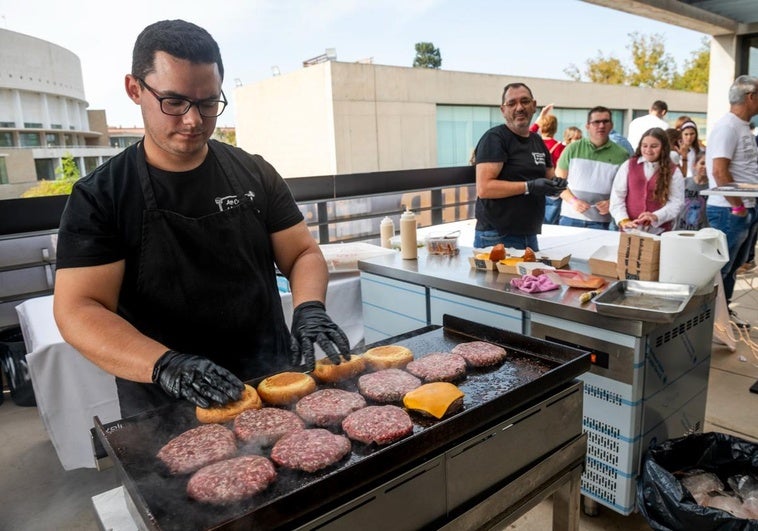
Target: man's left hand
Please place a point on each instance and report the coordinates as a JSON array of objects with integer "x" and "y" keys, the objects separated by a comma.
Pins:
[{"x": 311, "y": 324}]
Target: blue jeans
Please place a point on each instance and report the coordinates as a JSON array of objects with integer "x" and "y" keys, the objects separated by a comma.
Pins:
[
  {"x": 552, "y": 210},
  {"x": 485, "y": 238},
  {"x": 573, "y": 222},
  {"x": 739, "y": 231}
]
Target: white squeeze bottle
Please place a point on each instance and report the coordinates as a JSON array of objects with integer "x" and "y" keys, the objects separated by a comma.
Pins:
[
  {"x": 387, "y": 231},
  {"x": 408, "y": 242}
]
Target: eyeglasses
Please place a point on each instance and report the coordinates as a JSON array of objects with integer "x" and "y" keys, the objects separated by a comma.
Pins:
[
  {"x": 524, "y": 102},
  {"x": 598, "y": 123},
  {"x": 179, "y": 106}
]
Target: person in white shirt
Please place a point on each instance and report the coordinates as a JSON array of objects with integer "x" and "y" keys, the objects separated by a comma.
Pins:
[
  {"x": 654, "y": 118},
  {"x": 731, "y": 155},
  {"x": 648, "y": 190}
]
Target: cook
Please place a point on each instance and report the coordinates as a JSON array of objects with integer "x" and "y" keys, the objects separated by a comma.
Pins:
[{"x": 167, "y": 252}]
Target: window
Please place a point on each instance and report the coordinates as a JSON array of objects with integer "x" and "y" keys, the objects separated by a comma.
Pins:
[
  {"x": 3, "y": 171},
  {"x": 33, "y": 125},
  {"x": 56, "y": 126},
  {"x": 6, "y": 139},
  {"x": 10, "y": 125},
  {"x": 45, "y": 169},
  {"x": 29, "y": 139},
  {"x": 90, "y": 163},
  {"x": 52, "y": 140}
]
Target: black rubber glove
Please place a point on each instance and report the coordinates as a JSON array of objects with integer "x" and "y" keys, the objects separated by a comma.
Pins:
[
  {"x": 196, "y": 379},
  {"x": 311, "y": 324},
  {"x": 544, "y": 186}
]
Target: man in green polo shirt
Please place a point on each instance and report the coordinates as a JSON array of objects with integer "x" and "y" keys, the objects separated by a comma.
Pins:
[{"x": 590, "y": 164}]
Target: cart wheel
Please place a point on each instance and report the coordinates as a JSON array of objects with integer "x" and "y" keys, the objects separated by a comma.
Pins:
[{"x": 590, "y": 506}]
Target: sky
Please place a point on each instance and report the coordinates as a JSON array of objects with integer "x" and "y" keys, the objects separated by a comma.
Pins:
[{"x": 534, "y": 38}]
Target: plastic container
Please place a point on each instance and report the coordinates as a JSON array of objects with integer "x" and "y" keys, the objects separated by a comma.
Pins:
[
  {"x": 387, "y": 231},
  {"x": 445, "y": 245},
  {"x": 408, "y": 240}
]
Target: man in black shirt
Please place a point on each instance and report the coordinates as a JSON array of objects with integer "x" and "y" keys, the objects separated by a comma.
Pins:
[
  {"x": 167, "y": 252},
  {"x": 514, "y": 173}
]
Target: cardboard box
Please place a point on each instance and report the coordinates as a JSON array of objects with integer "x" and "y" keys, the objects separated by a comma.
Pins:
[
  {"x": 638, "y": 256},
  {"x": 603, "y": 261}
]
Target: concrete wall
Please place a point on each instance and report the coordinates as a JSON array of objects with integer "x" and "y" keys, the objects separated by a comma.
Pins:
[{"x": 353, "y": 117}]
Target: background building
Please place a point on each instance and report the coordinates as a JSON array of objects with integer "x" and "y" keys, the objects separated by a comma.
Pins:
[
  {"x": 334, "y": 118},
  {"x": 43, "y": 114}
]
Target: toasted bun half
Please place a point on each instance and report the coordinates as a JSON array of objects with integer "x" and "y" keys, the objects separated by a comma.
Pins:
[
  {"x": 388, "y": 357},
  {"x": 286, "y": 388},
  {"x": 327, "y": 372},
  {"x": 227, "y": 412}
]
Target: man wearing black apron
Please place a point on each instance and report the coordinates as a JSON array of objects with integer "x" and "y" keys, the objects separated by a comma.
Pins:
[{"x": 167, "y": 252}]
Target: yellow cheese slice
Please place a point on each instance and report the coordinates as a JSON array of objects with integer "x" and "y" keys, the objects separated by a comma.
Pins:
[{"x": 433, "y": 398}]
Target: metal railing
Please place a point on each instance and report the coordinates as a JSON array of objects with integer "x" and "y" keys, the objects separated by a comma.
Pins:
[{"x": 330, "y": 202}]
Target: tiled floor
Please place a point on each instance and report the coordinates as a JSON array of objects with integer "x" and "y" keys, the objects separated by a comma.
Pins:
[{"x": 37, "y": 494}]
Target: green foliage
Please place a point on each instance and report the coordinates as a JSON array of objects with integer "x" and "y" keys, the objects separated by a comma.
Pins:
[
  {"x": 228, "y": 136},
  {"x": 650, "y": 66},
  {"x": 427, "y": 56},
  {"x": 66, "y": 175}
]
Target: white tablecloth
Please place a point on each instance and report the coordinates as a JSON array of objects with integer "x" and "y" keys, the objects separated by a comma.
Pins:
[{"x": 70, "y": 390}]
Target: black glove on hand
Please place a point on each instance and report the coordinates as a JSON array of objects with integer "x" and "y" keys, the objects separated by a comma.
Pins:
[
  {"x": 544, "y": 186},
  {"x": 196, "y": 379},
  {"x": 311, "y": 324}
]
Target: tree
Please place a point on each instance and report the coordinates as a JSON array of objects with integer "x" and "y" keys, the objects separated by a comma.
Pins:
[
  {"x": 427, "y": 56},
  {"x": 695, "y": 76},
  {"x": 650, "y": 66},
  {"x": 66, "y": 175}
]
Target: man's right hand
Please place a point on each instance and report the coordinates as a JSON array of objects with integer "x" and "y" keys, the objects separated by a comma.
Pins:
[
  {"x": 544, "y": 186},
  {"x": 196, "y": 379}
]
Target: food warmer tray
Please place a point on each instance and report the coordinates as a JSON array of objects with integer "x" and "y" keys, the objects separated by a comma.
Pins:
[
  {"x": 533, "y": 369},
  {"x": 659, "y": 302}
]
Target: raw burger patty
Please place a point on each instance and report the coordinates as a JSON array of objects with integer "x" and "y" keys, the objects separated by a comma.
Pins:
[
  {"x": 480, "y": 353},
  {"x": 198, "y": 447},
  {"x": 310, "y": 450},
  {"x": 265, "y": 426},
  {"x": 378, "y": 424},
  {"x": 387, "y": 385},
  {"x": 438, "y": 367},
  {"x": 231, "y": 480},
  {"x": 328, "y": 407}
]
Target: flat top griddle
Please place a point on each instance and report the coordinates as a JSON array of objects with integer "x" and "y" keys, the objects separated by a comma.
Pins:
[{"x": 533, "y": 368}]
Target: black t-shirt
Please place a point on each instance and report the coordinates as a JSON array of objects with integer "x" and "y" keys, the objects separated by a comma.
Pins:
[
  {"x": 524, "y": 159},
  {"x": 102, "y": 222}
]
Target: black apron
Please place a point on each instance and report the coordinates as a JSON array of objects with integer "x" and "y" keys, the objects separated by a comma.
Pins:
[{"x": 206, "y": 286}]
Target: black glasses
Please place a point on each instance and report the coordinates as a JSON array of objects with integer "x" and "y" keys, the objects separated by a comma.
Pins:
[
  {"x": 524, "y": 102},
  {"x": 597, "y": 123},
  {"x": 178, "y": 106}
]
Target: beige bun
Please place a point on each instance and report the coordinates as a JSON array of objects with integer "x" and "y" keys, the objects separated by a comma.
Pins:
[
  {"x": 326, "y": 371},
  {"x": 388, "y": 357},
  {"x": 227, "y": 412},
  {"x": 286, "y": 388}
]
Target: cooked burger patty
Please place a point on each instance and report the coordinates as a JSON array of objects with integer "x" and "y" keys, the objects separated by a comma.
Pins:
[
  {"x": 198, "y": 447},
  {"x": 310, "y": 450},
  {"x": 231, "y": 480},
  {"x": 438, "y": 367},
  {"x": 387, "y": 385},
  {"x": 378, "y": 424},
  {"x": 480, "y": 353},
  {"x": 328, "y": 407},
  {"x": 265, "y": 426}
]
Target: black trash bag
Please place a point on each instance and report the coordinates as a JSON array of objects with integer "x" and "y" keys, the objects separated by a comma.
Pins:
[
  {"x": 667, "y": 505},
  {"x": 14, "y": 366}
]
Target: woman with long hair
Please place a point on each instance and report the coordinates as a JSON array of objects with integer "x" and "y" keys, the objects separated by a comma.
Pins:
[
  {"x": 691, "y": 146},
  {"x": 648, "y": 190}
]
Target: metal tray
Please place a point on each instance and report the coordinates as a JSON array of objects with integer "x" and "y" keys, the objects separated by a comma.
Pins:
[
  {"x": 533, "y": 369},
  {"x": 647, "y": 301}
]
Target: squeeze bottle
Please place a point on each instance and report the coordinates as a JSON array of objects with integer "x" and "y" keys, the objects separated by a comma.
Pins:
[
  {"x": 408, "y": 242},
  {"x": 387, "y": 231}
]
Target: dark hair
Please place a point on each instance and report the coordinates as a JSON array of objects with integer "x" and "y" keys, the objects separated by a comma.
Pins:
[
  {"x": 684, "y": 119},
  {"x": 598, "y": 108},
  {"x": 660, "y": 106},
  {"x": 177, "y": 38},
  {"x": 665, "y": 166},
  {"x": 515, "y": 85}
]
